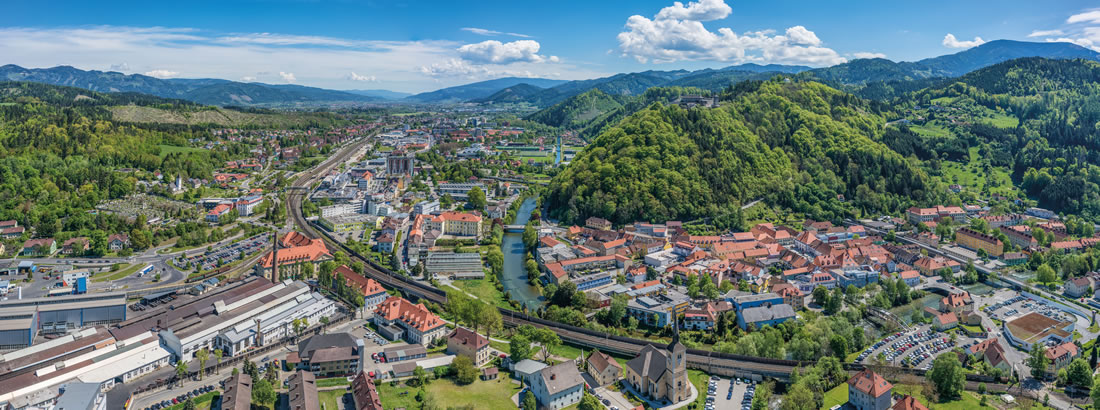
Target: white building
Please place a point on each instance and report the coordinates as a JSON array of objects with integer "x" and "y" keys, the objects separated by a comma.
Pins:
[
  {"x": 558, "y": 386},
  {"x": 341, "y": 209}
]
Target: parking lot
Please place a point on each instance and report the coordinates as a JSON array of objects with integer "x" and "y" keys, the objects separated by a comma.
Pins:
[
  {"x": 729, "y": 394},
  {"x": 914, "y": 348},
  {"x": 1019, "y": 304},
  {"x": 209, "y": 259}
]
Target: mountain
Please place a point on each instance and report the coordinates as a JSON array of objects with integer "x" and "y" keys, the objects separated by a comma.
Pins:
[
  {"x": 512, "y": 94},
  {"x": 768, "y": 68},
  {"x": 765, "y": 141},
  {"x": 204, "y": 90},
  {"x": 577, "y": 110},
  {"x": 715, "y": 80},
  {"x": 619, "y": 84},
  {"x": 478, "y": 90},
  {"x": 383, "y": 94}
]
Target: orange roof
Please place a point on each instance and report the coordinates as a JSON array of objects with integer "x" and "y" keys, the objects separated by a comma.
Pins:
[
  {"x": 870, "y": 383},
  {"x": 218, "y": 210},
  {"x": 460, "y": 217},
  {"x": 415, "y": 316},
  {"x": 946, "y": 318},
  {"x": 908, "y": 403},
  {"x": 645, "y": 284},
  {"x": 297, "y": 248},
  {"x": 556, "y": 270},
  {"x": 366, "y": 286},
  {"x": 909, "y": 274}
]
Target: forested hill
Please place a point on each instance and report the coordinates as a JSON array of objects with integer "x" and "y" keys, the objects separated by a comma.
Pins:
[
  {"x": 1054, "y": 148},
  {"x": 797, "y": 145}
]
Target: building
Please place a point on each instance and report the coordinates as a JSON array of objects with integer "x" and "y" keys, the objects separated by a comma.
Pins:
[
  {"x": 761, "y": 316},
  {"x": 660, "y": 375},
  {"x": 404, "y": 353},
  {"x": 1033, "y": 327},
  {"x": 399, "y": 163},
  {"x": 21, "y": 320},
  {"x": 526, "y": 370},
  {"x": 118, "y": 241},
  {"x": 294, "y": 250},
  {"x": 467, "y": 343},
  {"x": 603, "y": 368},
  {"x": 1019, "y": 236},
  {"x": 658, "y": 310},
  {"x": 944, "y": 321},
  {"x": 373, "y": 293},
  {"x": 247, "y": 205},
  {"x": 364, "y": 392},
  {"x": 1060, "y": 356},
  {"x": 689, "y": 101},
  {"x": 425, "y": 207},
  {"x": 75, "y": 246},
  {"x": 908, "y": 402},
  {"x": 238, "y": 392},
  {"x": 1077, "y": 287},
  {"x": 455, "y": 265},
  {"x": 302, "y": 393},
  {"x": 979, "y": 241},
  {"x": 598, "y": 223},
  {"x": 419, "y": 324},
  {"x": 459, "y": 190},
  {"x": 81, "y": 396},
  {"x": 869, "y": 391},
  {"x": 1041, "y": 213},
  {"x": 331, "y": 354},
  {"x": 558, "y": 386},
  {"x": 221, "y": 211},
  {"x": 39, "y": 247}
]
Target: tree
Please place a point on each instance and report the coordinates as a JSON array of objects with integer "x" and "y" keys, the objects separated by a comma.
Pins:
[
  {"x": 465, "y": 372},
  {"x": 446, "y": 201},
  {"x": 202, "y": 355},
  {"x": 1095, "y": 392},
  {"x": 1079, "y": 373},
  {"x": 1045, "y": 274},
  {"x": 763, "y": 395},
  {"x": 189, "y": 405},
  {"x": 520, "y": 348},
  {"x": 530, "y": 236},
  {"x": 181, "y": 371},
  {"x": 263, "y": 394},
  {"x": 589, "y": 402},
  {"x": 306, "y": 271},
  {"x": 1037, "y": 360},
  {"x": 529, "y": 402},
  {"x": 476, "y": 198},
  {"x": 271, "y": 375},
  {"x": 947, "y": 376},
  {"x": 251, "y": 369},
  {"x": 799, "y": 397},
  {"x": 839, "y": 346},
  {"x": 420, "y": 376},
  {"x": 820, "y": 295},
  {"x": 217, "y": 359}
]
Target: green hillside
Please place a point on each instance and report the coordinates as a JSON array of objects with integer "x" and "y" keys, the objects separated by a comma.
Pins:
[
  {"x": 797, "y": 145},
  {"x": 577, "y": 110}
]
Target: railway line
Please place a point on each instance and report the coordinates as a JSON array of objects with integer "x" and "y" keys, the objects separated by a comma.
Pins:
[{"x": 724, "y": 364}]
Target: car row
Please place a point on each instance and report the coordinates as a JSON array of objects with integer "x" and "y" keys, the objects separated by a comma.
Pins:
[
  {"x": 927, "y": 351},
  {"x": 164, "y": 404}
]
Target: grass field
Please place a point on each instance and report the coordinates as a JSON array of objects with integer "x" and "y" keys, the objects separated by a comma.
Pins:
[
  {"x": 1003, "y": 121},
  {"x": 330, "y": 400},
  {"x": 968, "y": 401},
  {"x": 485, "y": 290},
  {"x": 203, "y": 402},
  {"x": 931, "y": 129},
  {"x": 333, "y": 382},
  {"x": 121, "y": 273},
  {"x": 838, "y": 395},
  {"x": 491, "y": 394},
  {"x": 972, "y": 176},
  {"x": 171, "y": 149}
]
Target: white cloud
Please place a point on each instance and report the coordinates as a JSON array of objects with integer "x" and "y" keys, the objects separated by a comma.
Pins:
[
  {"x": 491, "y": 33},
  {"x": 702, "y": 10},
  {"x": 495, "y": 52},
  {"x": 868, "y": 54},
  {"x": 1086, "y": 17},
  {"x": 457, "y": 68},
  {"x": 315, "y": 61},
  {"x": 162, "y": 73},
  {"x": 677, "y": 33},
  {"x": 288, "y": 77},
  {"x": 120, "y": 67},
  {"x": 1045, "y": 33},
  {"x": 951, "y": 42},
  {"x": 357, "y": 77}
]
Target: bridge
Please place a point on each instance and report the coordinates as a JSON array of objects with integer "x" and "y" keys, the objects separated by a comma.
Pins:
[{"x": 514, "y": 228}]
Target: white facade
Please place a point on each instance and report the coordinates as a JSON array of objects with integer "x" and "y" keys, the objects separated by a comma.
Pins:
[{"x": 340, "y": 209}]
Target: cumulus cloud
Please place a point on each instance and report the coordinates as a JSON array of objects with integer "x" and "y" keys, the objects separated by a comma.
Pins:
[
  {"x": 677, "y": 33},
  {"x": 357, "y": 77},
  {"x": 458, "y": 68},
  {"x": 288, "y": 77},
  {"x": 1046, "y": 33},
  {"x": 951, "y": 42},
  {"x": 495, "y": 52},
  {"x": 868, "y": 54},
  {"x": 161, "y": 73},
  {"x": 120, "y": 67},
  {"x": 492, "y": 33},
  {"x": 248, "y": 79},
  {"x": 1086, "y": 17}
]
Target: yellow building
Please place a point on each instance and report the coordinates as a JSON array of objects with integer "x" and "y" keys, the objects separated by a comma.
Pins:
[{"x": 975, "y": 240}]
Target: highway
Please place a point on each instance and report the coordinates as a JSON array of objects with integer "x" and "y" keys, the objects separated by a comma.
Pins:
[{"x": 711, "y": 362}]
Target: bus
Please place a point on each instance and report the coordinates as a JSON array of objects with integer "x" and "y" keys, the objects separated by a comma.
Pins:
[{"x": 145, "y": 270}]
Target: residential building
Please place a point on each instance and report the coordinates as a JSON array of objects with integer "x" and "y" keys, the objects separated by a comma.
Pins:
[
  {"x": 1060, "y": 356},
  {"x": 598, "y": 223},
  {"x": 373, "y": 293},
  {"x": 75, "y": 246},
  {"x": 331, "y": 354},
  {"x": 237, "y": 394},
  {"x": 558, "y": 386},
  {"x": 603, "y": 368},
  {"x": 419, "y": 324},
  {"x": 908, "y": 402},
  {"x": 979, "y": 241},
  {"x": 944, "y": 321},
  {"x": 39, "y": 247},
  {"x": 760, "y": 316},
  {"x": 118, "y": 241},
  {"x": 1078, "y": 286},
  {"x": 869, "y": 391},
  {"x": 294, "y": 250},
  {"x": 302, "y": 393},
  {"x": 526, "y": 370},
  {"x": 365, "y": 393},
  {"x": 470, "y": 344},
  {"x": 660, "y": 375},
  {"x": 1019, "y": 236}
]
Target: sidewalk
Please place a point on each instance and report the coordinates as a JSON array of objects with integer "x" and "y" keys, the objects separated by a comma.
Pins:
[{"x": 691, "y": 398}]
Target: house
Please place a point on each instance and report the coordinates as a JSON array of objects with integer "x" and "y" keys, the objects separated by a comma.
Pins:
[
  {"x": 490, "y": 373},
  {"x": 908, "y": 402},
  {"x": 869, "y": 391},
  {"x": 1077, "y": 287},
  {"x": 1014, "y": 258},
  {"x": 993, "y": 354},
  {"x": 470, "y": 344},
  {"x": 761, "y": 316},
  {"x": 39, "y": 247},
  {"x": 598, "y": 223},
  {"x": 385, "y": 243},
  {"x": 910, "y": 277},
  {"x": 420, "y": 325},
  {"x": 1060, "y": 356},
  {"x": 302, "y": 393},
  {"x": 526, "y": 369},
  {"x": 944, "y": 321},
  {"x": 295, "y": 249},
  {"x": 660, "y": 375},
  {"x": 238, "y": 392},
  {"x": 558, "y": 386},
  {"x": 364, "y": 392},
  {"x": 955, "y": 302},
  {"x": 331, "y": 355},
  {"x": 75, "y": 246},
  {"x": 12, "y": 232},
  {"x": 373, "y": 293},
  {"x": 603, "y": 368},
  {"x": 118, "y": 241}
]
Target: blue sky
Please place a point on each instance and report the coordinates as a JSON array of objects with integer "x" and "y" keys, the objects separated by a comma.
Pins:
[{"x": 418, "y": 46}]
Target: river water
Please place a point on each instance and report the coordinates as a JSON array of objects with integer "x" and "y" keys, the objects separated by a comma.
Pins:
[{"x": 514, "y": 277}]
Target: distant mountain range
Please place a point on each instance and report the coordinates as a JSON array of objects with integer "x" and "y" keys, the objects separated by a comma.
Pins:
[{"x": 870, "y": 78}]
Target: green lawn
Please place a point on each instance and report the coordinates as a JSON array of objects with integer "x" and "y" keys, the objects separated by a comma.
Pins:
[
  {"x": 838, "y": 395},
  {"x": 931, "y": 129},
  {"x": 330, "y": 400},
  {"x": 121, "y": 273},
  {"x": 1003, "y": 121},
  {"x": 969, "y": 400},
  {"x": 492, "y": 394},
  {"x": 333, "y": 381},
  {"x": 171, "y": 149},
  {"x": 203, "y": 402},
  {"x": 485, "y": 290},
  {"x": 699, "y": 379}
]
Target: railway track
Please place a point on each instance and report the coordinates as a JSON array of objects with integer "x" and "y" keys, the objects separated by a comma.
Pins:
[{"x": 724, "y": 364}]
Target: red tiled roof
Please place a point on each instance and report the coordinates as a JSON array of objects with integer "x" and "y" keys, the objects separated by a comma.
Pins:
[
  {"x": 416, "y": 316},
  {"x": 870, "y": 383}
]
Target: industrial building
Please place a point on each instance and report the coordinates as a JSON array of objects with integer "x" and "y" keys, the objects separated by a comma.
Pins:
[
  {"x": 22, "y": 320},
  {"x": 455, "y": 265}
]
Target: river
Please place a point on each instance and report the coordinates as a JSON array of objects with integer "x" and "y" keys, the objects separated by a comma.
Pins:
[{"x": 514, "y": 277}]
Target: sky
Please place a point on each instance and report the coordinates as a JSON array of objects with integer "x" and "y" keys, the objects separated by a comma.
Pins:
[{"x": 416, "y": 46}]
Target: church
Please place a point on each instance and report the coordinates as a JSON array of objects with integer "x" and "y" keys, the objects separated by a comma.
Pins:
[{"x": 661, "y": 375}]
